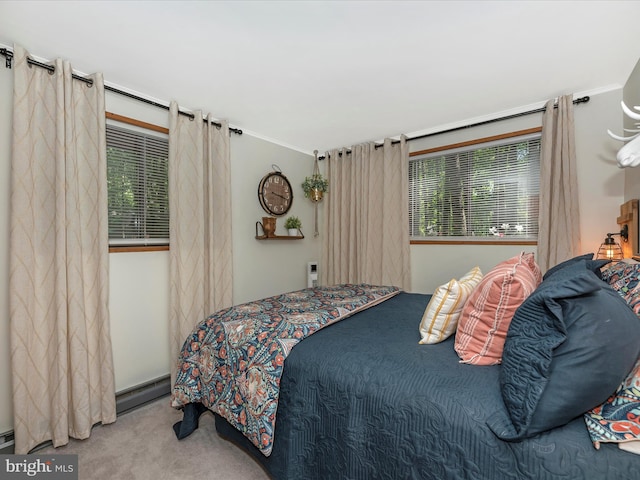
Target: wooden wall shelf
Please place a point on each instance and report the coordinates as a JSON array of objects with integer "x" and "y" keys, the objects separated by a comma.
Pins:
[
  {"x": 276, "y": 237},
  {"x": 280, "y": 237}
]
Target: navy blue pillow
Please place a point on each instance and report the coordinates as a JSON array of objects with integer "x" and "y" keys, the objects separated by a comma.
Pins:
[
  {"x": 590, "y": 264},
  {"x": 569, "y": 346}
]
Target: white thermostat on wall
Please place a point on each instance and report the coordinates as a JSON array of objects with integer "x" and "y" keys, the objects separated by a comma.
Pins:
[{"x": 312, "y": 274}]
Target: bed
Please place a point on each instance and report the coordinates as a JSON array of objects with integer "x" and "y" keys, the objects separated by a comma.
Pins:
[{"x": 362, "y": 398}]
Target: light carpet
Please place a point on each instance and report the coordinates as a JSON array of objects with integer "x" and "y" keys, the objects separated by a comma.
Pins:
[{"x": 142, "y": 445}]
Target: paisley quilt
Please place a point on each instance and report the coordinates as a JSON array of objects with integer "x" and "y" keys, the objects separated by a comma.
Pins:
[{"x": 233, "y": 360}]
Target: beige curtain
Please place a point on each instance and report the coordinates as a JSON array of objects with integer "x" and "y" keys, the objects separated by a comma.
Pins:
[
  {"x": 366, "y": 217},
  {"x": 61, "y": 358},
  {"x": 559, "y": 217},
  {"x": 200, "y": 225}
]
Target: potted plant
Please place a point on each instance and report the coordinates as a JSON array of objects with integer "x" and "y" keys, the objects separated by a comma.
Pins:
[
  {"x": 293, "y": 224},
  {"x": 315, "y": 186}
]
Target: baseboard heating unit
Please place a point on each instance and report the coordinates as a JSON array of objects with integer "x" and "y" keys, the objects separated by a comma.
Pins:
[{"x": 126, "y": 400}]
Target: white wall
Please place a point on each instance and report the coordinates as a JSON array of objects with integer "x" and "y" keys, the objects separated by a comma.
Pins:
[
  {"x": 631, "y": 97},
  {"x": 138, "y": 308},
  {"x": 268, "y": 267},
  {"x": 6, "y": 97},
  {"x": 601, "y": 182}
]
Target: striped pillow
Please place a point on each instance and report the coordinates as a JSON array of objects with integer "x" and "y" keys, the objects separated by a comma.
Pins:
[
  {"x": 486, "y": 315},
  {"x": 440, "y": 318}
]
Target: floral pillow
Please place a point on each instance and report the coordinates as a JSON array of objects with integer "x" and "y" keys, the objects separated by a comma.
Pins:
[
  {"x": 618, "y": 419},
  {"x": 624, "y": 278},
  {"x": 440, "y": 318}
]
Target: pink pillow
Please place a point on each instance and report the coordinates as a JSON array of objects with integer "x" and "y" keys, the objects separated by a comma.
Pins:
[{"x": 488, "y": 311}]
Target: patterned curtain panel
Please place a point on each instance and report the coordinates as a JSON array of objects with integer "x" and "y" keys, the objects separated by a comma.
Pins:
[
  {"x": 61, "y": 358},
  {"x": 559, "y": 218},
  {"x": 366, "y": 217},
  {"x": 200, "y": 225}
]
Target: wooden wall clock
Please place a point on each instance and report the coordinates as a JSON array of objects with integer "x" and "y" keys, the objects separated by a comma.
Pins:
[{"x": 275, "y": 193}]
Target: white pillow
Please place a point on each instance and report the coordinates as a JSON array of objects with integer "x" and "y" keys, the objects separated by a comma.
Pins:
[{"x": 440, "y": 318}]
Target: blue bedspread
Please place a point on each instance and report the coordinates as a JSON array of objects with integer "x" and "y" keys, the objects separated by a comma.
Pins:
[{"x": 361, "y": 399}]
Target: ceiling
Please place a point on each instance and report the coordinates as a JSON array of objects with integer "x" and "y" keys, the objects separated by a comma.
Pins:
[{"x": 325, "y": 74}]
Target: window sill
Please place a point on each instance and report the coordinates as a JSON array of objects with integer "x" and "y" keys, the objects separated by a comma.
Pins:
[
  {"x": 449, "y": 241},
  {"x": 137, "y": 248}
]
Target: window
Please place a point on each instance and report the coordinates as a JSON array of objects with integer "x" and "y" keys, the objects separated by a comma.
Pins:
[
  {"x": 138, "y": 187},
  {"x": 488, "y": 191}
]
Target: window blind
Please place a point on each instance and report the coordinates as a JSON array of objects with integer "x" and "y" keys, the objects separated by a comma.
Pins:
[
  {"x": 486, "y": 191},
  {"x": 138, "y": 187}
]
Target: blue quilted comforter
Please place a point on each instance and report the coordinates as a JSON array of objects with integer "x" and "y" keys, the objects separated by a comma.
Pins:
[{"x": 362, "y": 399}]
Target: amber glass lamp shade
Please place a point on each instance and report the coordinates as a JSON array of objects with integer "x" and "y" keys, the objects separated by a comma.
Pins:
[{"x": 609, "y": 249}]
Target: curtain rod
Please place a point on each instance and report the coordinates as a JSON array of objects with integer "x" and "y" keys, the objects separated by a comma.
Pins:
[
  {"x": 577, "y": 101},
  {"x": 8, "y": 54}
]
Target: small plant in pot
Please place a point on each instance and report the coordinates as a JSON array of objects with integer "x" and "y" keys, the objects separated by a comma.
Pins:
[
  {"x": 315, "y": 186},
  {"x": 293, "y": 224}
]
